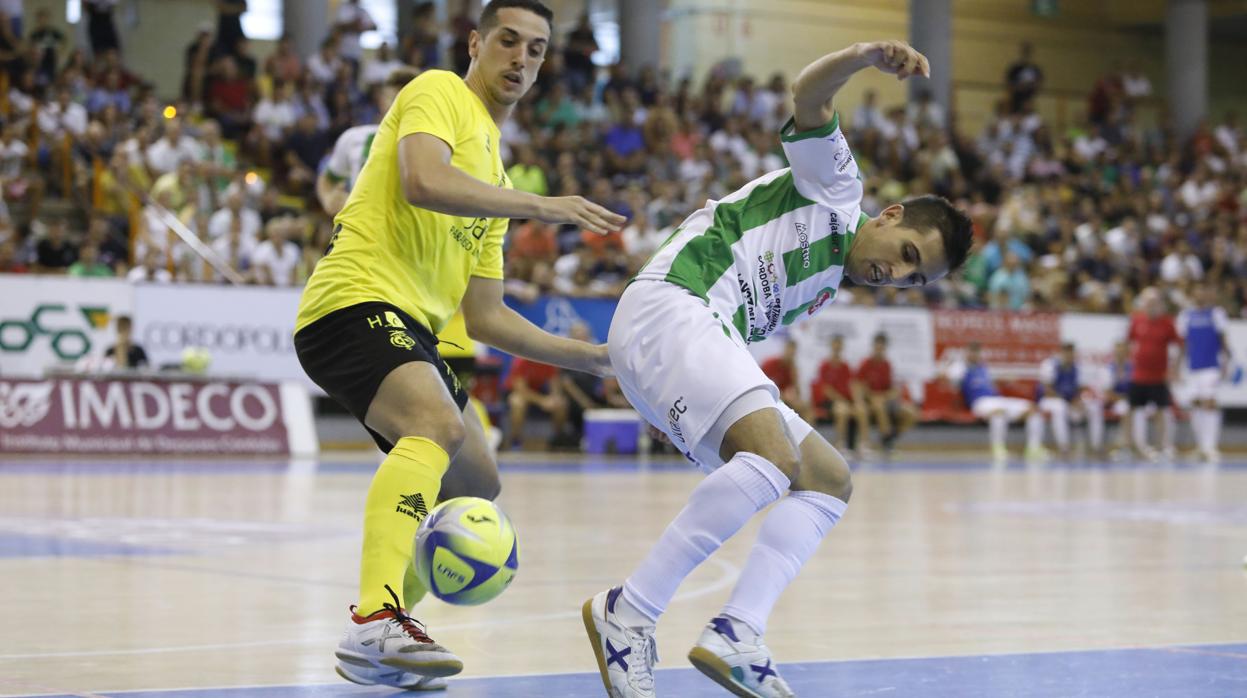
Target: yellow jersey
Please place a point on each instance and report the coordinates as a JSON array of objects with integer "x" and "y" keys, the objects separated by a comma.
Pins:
[{"x": 384, "y": 249}]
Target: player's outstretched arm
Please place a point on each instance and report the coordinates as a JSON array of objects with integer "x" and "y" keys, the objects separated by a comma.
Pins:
[
  {"x": 489, "y": 320},
  {"x": 819, "y": 81},
  {"x": 430, "y": 181},
  {"x": 331, "y": 194}
]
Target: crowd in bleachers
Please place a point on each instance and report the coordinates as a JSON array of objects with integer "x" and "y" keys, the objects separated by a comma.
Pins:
[{"x": 97, "y": 169}]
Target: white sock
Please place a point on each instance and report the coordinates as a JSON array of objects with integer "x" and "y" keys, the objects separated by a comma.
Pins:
[
  {"x": 790, "y": 534},
  {"x": 998, "y": 426},
  {"x": 1059, "y": 414},
  {"x": 1214, "y": 429},
  {"x": 1171, "y": 428},
  {"x": 716, "y": 509},
  {"x": 1140, "y": 428},
  {"x": 1034, "y": 430},
  {"x": 1199, "y": 427},
  {"x": 1095, "y": 423}
]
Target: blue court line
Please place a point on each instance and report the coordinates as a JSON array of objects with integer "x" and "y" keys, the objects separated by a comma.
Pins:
[
  {"x": 14, "y": 545},
  {"x": 1194, "y": 671}
]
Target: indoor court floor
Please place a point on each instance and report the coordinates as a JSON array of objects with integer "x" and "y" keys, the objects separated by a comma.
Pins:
[{"x": 947, "y": 578}]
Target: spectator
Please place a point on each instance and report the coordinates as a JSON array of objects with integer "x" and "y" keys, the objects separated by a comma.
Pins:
[
  {"x": 1009, "y": 286},
  {"x": 101, "y": 29},
  {"x": 978, "y": 390},
  {"x": 235, "y": 217},
  {"x": 235, "y": 249},
  {"x": 228, "y": 27},
  {"x": 151, "y": 270},
  {"x": 531, "y": 385},
  {"x": 875, "y": 393},
  {"x": 625, "y": 147},
  {"x": 1181, "y": 265},
  {"x": 377, "y": 70},
  {"x": 304, "y": 148},
  {"x": 276, "y": 260},
  {"x": 9, "y": 262},
  {"x": 284, "y": 64},
  {"x": 63, "y": 117},
  {"x": 867, "y": 116},
  {"x": 527, "y": 173},
  {"x": 54, "y": 254},
  {"x": 1023, "y": 79},
  {"x": 322, "y": 66},
  {"x": 351, "y": 21},
  {"x": 578, "y": 53},
  {"x": 782, "y": 370},
  {"x": 173, "y": 149},
  {"x": 275, "y": 113},
  {"x": 89, "y": 263},
  {"x": 230, "y": 98},
  {"x": 833, "y": 391},
  {"x": 581, "y": 391},
  {"x": 47, "y": 41},
  {"x": 125, "y": 354}
]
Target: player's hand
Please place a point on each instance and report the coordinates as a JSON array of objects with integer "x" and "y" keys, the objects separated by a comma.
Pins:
[
  {"x": 896, "y": 58},
  {"x": 582, "y": 212}
]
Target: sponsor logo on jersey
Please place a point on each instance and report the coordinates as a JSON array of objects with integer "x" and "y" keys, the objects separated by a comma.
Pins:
[
  {"x": 678, "y": 408},
  {"x": 803, "y": 238},
  {"x": 823, "y": 296},
  {"x": 834, "y": 224}
]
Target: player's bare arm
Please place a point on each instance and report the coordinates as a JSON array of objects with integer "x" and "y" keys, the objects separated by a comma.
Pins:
[
  {"x": 819, "y": 81},
  {"x": 489, "y": 320},
  {"x": 330, "y": 193},
  {"x": 430, "y": 181}
]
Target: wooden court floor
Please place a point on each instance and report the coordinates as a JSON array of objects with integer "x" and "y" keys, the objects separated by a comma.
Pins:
[{"x": 123, "y": 575}]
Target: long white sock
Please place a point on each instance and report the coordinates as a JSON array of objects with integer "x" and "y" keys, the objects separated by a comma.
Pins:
[
  {"x": 1095, "y": 423},
  {"x": 1214, "y": 429},
  {"x": 790, "y": 534},
  {"x": 1058, "y": 413},
  {"x": 998, "y": 426},
  {"x": 1034, "y": 430},
  {"x": 1171, "y": 428},
  {"x": 1199, "y": 427},
  {"x": 716, "y": 509},
  {"x": 1140, "y": 428}
]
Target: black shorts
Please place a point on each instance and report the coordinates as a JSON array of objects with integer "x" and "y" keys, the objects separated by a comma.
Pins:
[
  {"x": 1157, "y": 394},
  {"x": 350, "y": 351}
]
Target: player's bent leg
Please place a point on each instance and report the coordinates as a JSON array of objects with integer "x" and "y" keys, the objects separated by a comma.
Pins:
[
  {"x": 731, "y": 650},
  {"x": 413, "y": 410}
]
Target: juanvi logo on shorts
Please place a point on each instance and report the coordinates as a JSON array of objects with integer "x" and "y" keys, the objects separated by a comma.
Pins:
[{"x": 678, "y": 408}]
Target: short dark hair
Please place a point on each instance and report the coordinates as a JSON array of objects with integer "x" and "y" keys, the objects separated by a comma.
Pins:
[
  {"x": 956, "y": 228},
  {"x": 881, "y": 337},
  {"x": 489, "y": 15},
  {"x": 399, "y": 77}
]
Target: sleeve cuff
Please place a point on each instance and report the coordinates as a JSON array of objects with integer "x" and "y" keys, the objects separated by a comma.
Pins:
[{"x": 789, "y": 134}]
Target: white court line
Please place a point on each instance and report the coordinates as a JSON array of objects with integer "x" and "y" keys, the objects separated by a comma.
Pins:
[{"x": 727, "y": 575}]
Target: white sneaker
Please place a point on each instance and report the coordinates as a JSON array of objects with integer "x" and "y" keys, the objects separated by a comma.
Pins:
[
  {"x": 743, "y": 668},
  {"x": 391, "y": 639},
  {"x": 1212, "y": 457},
  {"x": 626, "y": 656},
  {"x": 390, "y": 677}
]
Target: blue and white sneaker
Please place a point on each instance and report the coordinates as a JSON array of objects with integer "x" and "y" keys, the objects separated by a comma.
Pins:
[
  {"x": 626, "y": 656},
  {"x": 737, "y": 663}
]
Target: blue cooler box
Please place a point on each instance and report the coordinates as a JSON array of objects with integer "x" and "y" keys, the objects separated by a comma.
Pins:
[{"x": 612, "y": 431}]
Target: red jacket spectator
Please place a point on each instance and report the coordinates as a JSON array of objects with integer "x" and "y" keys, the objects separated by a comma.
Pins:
[
  {"x": 780, "y": 372},
  {"x": 537, "y": 375},
  {"x": 876, "y": 374},
  {"x": 836, "y": 375}
]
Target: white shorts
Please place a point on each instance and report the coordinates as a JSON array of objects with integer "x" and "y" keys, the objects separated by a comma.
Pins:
[
  {"x": 1013, "y": 408},
  {"x": 1202, "y": 384},
  {"x": 686, "y": 371}
]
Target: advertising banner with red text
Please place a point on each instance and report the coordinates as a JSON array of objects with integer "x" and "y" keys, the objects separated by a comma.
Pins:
[{"x": 1013, "y": 343}]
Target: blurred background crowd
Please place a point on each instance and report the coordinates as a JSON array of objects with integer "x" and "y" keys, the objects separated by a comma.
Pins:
[{"x": 97, "y": 170}]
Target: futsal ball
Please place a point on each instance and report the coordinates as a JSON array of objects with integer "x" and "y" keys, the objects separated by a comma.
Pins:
[
  {"x": 196, "y": 360},
  {"x": 465, "y": 551}
]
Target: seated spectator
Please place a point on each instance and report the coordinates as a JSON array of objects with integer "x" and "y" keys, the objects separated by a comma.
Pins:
[
  {"x": 284, "y": 63},
  {"x": 236, "y": 250},
  {"x": 322, "y": 66},
  {"x": 125, "y": 354},
  {"x": 833, "y": 391},
  {"x": 875, "y": 392},
  {"x": 151, "y": 269},
  {"x": 235, "y": 216},
  {"x": 54, "y": 253},
  {"x": 527, "y": 174},
  {"x": 172, "y": 149},
  {"x": 18, "y": 180},
  {"x": 532, "y": 243},
  {"x": 89, "y": 263},
  {"x": 979, "y": 392},
  {"x": 303, "y": 149},
  {"x": 62, "y": 117},
  {"x": 782, "y": 370},
  {"x": 1010, "y": 286},
  {"x": 109, "y": 93},
  {"x": 230, "y": 98},
  {"x": 377, "y": 70},
  {"x": 581, "y": 391},
  {"x": 9, "y": 261},
  {"x": 276, "y": 260},
  {"x": 532, "y": 385}
]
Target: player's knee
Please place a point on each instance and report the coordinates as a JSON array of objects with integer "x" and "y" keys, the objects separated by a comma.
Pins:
[
  {"x": 785, "y": 458},
  {"x": 829, "y": 476}
]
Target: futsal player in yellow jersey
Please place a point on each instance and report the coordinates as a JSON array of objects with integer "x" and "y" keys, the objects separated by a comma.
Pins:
[{"x": 420, "y": 236}]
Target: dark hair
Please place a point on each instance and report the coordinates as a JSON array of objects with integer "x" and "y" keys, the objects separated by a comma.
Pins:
[
  {"x": 955, "y": 227},
  {"x": 489, "y": 15},
  {"x": 399, "y": 77},
  {"x": 881, "y": 337}
]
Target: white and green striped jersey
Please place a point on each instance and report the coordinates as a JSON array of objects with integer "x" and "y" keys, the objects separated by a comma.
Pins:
[
  {"x": 774, "y": 250},
  {"x": 350, "y": 152}
]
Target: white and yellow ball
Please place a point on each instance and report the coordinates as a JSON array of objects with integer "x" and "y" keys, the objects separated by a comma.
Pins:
[{"x": 466, "y": 552}]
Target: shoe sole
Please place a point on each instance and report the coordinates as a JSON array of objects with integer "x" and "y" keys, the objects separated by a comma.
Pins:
[
  {"x": 595, "y": 640},
  {"x": 437, "y": 668},
  {"x": 718, "y": 671},
  {"x": 354, "y": 680}
]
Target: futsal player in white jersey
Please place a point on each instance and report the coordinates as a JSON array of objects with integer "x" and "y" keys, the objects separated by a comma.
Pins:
[
  {"x": 351, "y": 149},
  {"x": 1203, "y": 329},
  {"x": 734, "y": 272}
]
